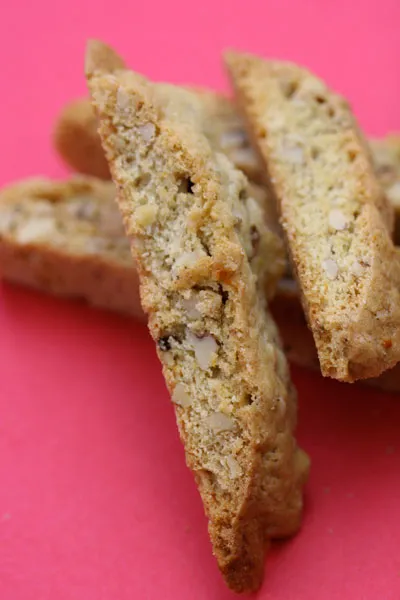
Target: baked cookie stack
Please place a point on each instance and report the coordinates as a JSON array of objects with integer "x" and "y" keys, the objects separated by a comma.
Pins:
[{"x": 220, "y": 216}]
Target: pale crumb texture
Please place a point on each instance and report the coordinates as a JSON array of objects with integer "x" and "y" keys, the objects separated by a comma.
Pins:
[
  {"x": 225, "y": 369},
  {"x": 66, "y": 238},
  {"x": 334, "y": 213}
]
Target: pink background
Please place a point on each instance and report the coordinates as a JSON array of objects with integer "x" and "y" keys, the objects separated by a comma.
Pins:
[{"x": 95, "y": 500}]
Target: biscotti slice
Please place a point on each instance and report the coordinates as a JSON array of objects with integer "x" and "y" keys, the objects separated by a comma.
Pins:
[
  {"x": 67, "y": 238},
  {"x": 184, "y": 208},
  {"x": 334, "y": 214}
]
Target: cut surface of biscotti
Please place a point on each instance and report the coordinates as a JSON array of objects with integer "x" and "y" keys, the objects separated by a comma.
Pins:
[
  {"x": 336, "y": 218},
  {"x": 184, "y": 207},
  {"x": 67, "y": 238}
]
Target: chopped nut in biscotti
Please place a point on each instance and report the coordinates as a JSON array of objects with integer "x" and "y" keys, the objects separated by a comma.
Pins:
[
  {"x": 146, "y": 215},
  {"x": 39, "y": 229},
  {"x": 337, "y": 220},
  {"x": 331, "y": 268},
  {"x": 205, "y": 348},
  {"x": 219, "y": 422},
  {"x": 147, "y": 131},
  {"x": 180, "y": 396}
]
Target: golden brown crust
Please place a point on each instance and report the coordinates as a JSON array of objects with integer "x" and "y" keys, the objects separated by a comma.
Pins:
[
  {"x": 298, "y": 341},
  {"x": 334, "y": 213},
  {"x": 236, "y": 430}
]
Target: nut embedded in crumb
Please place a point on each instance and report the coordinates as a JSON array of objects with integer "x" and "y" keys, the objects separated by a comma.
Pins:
[
  {"x": 293, "y": 154},
  {"x": 180, "y": 396},
  {"x": 234, "y": 467},
  {"x": 147, "y": 131},
  {"x": 187, "y": 259},
  {"x": 331, "y": 268},
  {"x": 337, "y": 220},
  {"x": 36, "y": 229},
  {"x": 219, "y": 422},
  {"x": 145, "y": 215},
  {"x": 190, "y": 307},
  {"x": 205, "y": 349},
  {"x": 357, "y": 268}
]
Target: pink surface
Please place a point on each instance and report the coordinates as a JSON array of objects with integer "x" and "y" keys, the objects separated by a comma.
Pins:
[{"x": 95, "y": 499}]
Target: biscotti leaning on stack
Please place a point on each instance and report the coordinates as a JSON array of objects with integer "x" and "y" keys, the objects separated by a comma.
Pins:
[
  {"x": 184, "y": 208},
  {"x": 336, "y": 218}
]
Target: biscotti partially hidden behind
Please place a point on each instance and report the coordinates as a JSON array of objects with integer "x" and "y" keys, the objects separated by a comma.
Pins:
[
  {"x": 76, "y": 140},
  {"x": 184, "y": 207},
  {"x": 67, "y": 238},
  {"x": 336, "y": 218}
]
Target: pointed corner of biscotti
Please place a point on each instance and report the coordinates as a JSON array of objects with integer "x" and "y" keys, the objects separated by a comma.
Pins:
[
  {"x": 241, "y": 65},
  {"x": 101, "y": 58},
  {"x": 236, "y": 59}
]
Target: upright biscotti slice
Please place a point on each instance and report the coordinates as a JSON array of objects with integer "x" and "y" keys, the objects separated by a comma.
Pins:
[
  {"x": 334, "y": 213},
  {"x": 67, "y": 238},
  {"x": 184, "y": 207}
]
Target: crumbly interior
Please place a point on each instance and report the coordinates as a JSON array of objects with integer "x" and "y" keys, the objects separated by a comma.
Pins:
[
  {"x": 188, "y": 213},
  {"x": 78, "y": 217},
  {"x": 332, "y": 208}
]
